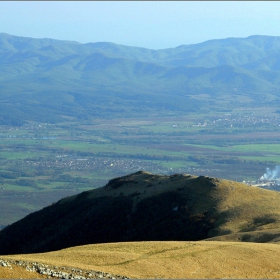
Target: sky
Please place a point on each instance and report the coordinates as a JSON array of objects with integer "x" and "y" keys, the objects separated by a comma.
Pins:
[{"x": 147, "y": 24}]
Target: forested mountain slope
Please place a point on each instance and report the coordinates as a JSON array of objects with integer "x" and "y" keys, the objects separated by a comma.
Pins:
[{"x": 50, "y": 80}]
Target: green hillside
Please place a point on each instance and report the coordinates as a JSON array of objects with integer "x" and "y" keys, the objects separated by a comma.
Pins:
[{"x": 47, "y": 80}]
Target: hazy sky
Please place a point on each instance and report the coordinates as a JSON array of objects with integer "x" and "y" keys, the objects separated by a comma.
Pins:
[{"x": 149, "y": 24}]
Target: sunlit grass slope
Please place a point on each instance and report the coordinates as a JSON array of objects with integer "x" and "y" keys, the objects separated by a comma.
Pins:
[{"x": 172, "y": 259}]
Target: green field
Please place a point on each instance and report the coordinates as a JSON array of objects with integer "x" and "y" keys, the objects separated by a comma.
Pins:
[{"x": 67, "y": 158}]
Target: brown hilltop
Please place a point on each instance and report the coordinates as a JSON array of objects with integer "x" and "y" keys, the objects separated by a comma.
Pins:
[{"x": 148, "y": 207}]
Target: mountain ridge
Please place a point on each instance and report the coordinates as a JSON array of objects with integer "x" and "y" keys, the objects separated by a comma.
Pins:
[{"x": 234, "y": 72}]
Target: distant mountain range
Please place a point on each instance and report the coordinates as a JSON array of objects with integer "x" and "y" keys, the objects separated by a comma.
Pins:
[
  {"x": 146, "y": 207},
  {"x": 50, "y": 80}
]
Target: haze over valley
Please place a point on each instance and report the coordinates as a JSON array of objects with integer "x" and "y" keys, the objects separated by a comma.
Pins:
[
  {"x": 75, "y": 115},
  {"x": 98, "y": 136}
]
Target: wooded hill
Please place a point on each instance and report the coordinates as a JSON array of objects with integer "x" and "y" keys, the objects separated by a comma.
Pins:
[{"x": 148, "y": 207}]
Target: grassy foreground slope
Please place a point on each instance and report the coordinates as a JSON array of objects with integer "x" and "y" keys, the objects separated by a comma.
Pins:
[{"x": 200, "y": 259}]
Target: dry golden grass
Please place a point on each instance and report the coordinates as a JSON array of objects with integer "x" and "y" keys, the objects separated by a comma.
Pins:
[
  {"x": 201, "y": 259},
  {"x": 18, "y": 273}
]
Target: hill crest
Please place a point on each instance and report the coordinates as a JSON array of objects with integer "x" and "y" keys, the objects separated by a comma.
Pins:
[{"x": 148, "y": 207}]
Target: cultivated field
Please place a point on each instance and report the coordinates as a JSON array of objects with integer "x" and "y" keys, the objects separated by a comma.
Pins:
[{"x": 41, "y": 163}]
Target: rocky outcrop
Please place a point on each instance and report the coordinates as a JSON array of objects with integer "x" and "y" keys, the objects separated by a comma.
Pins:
[{"x": 59, "y": 272}]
